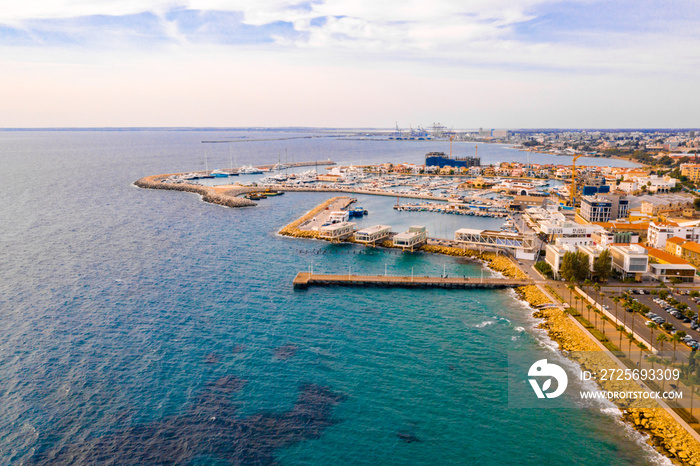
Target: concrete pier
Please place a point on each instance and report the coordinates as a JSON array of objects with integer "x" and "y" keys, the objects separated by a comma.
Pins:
[{"x": 304, "y": 280}]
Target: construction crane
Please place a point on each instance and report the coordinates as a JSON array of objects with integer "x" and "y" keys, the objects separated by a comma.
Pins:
[
  {"x": 572, "y": 198},
  {"x": 451, "y": 138}
]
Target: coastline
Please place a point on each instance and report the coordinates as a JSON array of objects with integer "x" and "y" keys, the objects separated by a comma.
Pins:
[
  {"x": 225, "y": 195},
  {"x": 665, "y": 434},
  {"x": 615, "y": 157}
]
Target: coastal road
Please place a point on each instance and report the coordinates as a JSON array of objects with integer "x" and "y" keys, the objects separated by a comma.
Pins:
[{"x": 608, "y": 328}]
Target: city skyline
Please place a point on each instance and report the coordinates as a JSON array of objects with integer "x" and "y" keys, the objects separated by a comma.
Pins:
[{"x": 525, "y": 64}]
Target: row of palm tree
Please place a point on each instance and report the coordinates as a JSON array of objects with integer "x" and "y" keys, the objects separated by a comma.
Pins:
[{"x": 621, "y": 327}]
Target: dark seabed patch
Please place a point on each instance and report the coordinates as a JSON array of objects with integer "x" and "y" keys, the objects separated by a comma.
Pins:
[
  {"x": 286, "y": 351},
  {"x": 408, "y": 437},
  {"x": 212, "y": 358},
  {"x": 209, "y": 429}
]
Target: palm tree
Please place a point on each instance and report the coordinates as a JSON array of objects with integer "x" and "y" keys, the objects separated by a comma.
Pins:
[
  {"x": 661, "y": 339},
  {"x": 642, "y": 347},
  {"x": 603, "y": 319},
  {"x": 589, "y": 307},
  {"x": 652, "y": 327},
  {"x": 677, "y": 338},
  {"x": 571, "y": 291},
  {"x": 634, "y": 311},
  {"x": 630, "y": 338},
  {"x": 621, "y": 329},
  {"x": 586, "y": 283}
]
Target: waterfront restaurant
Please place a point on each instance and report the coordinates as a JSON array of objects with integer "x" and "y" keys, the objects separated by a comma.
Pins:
[
  {"x": 373, "y": 234},
  {"x": 414, "y": 237},
  {"x": 337, "y": 231}
]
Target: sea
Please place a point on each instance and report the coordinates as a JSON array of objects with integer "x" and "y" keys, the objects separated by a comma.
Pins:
[{"x": 148, "y": 327}]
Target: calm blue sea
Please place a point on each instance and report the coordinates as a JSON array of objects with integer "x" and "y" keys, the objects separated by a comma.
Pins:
[{"x": 148, "y": 327}]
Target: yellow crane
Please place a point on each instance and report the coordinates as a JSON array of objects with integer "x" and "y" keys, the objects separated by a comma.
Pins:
[{"x": 572, "y": 198}]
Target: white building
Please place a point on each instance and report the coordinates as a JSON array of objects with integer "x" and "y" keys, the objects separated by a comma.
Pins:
[
  {"x": 592, "y": 252},
  {"x": 555, "y": 255},
  {"x": 630, "y": 261},
  {"x": 653, "y": 184},
  {"x": 414, "y": 237},
  {"x": 339, "y": 216},
  {"x": 666, "y": 272},
  {"x": 372, "y": 234},
  {"x": 607, "y": 238},
  {"x": 563, "y": 228},
  {"x": 658, "y": 233},
  {"x": 337, "y": 231}
]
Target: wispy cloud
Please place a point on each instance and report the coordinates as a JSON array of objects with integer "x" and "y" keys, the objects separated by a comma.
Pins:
[
  {"x": 505, "y": 60},
  {"x": 531, "y": 33}
]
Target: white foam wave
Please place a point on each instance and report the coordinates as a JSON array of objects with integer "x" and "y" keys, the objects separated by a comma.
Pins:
[{"x": 484, "y": 324}]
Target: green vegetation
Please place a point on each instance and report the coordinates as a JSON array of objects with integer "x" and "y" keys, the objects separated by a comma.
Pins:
[
  {"x": 554, "y": 293},
  {"x": 545, "y": 269},
  {"x": 574, "y": 266},
  {"x": 602, "y": 266}
]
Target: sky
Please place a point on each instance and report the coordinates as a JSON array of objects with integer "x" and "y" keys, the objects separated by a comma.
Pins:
[{"x": 350, "y": 63}]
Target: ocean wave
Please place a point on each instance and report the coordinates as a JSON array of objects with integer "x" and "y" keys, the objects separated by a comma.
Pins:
[{"x": 484, "y": 324}]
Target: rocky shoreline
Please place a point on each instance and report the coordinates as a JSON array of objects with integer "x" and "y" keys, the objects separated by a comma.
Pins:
[
  {"x": 222, "y": 195},
  {"x": 665, "y": 434}
]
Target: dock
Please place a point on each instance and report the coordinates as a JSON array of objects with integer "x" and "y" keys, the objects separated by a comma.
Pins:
[{"x": 304, "y": 280}]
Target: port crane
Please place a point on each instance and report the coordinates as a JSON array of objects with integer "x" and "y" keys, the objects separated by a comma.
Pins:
[{"x": 572, "y": 198}]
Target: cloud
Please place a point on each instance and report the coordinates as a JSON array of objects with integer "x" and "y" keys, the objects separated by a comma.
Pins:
[{"x": 517, "y": 59}]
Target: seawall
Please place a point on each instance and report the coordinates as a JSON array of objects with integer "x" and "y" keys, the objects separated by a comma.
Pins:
[{"x": 222, "y": 195}]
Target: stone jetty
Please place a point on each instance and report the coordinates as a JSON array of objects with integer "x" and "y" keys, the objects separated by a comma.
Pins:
[
  {"x": 305, "y": 279},
  {"x": 226, "y": 195}
]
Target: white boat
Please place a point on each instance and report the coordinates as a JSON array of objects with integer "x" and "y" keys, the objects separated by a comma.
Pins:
[{"x": 249, "y": 170}]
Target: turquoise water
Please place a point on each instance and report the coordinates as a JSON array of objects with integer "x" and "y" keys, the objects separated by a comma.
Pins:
[{"x": 135, "y": 322}]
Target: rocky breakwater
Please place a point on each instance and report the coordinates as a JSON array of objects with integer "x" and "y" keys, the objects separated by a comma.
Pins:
[
  {"x": 665, "y": 433},
  {"x": 293, "y": 229},
  {"x": 226, "y": 195},
  {"x": 494, "y": 261}
]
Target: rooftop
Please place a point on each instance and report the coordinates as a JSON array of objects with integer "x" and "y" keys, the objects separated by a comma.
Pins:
[
  {"x": 665, "y": 257},
  {"x": 676, "y": 240}
]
